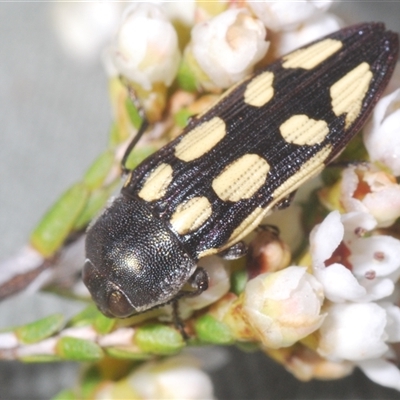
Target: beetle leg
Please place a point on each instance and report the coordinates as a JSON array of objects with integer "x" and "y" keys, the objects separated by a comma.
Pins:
[
  {"x": 285, "y": 202},
  {"x": 238, "y": 250},
  {"x": 140, "y": 132}
]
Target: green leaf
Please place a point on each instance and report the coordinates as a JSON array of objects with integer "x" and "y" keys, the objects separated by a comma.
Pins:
[
  {"x": 158, "y": 339},
  {"x": 138, "y": 155},
  {"x": 85, "y": 317},
  {"x": 133, "y": 113},
  {"x": 90, "y": 379},
  {"x": 210, "y": 330},
  {"x": 40, "y": 358},
  {"x": 70, "y": 348},
  {"x": 99, "y": 170},
  {"x": 238, "y": 281},
  {"x": 94, "y": 205},
  {"x": 182, "y": 117},
  {"x": 58, "y": 222},
  {"x": 39, "y": 330},
  {"x": 186, "y": 78},
  {"x": 65, "y": 395},
  {"x": 126, "y": 354},
  {"x": 103, "y": 325}
]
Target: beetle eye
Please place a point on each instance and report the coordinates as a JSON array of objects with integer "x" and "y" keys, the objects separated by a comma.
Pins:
[{"x": 119, "y": 306}]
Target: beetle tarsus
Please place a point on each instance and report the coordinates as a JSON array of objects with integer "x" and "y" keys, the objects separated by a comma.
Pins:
[{"x": 238, "y": 250}]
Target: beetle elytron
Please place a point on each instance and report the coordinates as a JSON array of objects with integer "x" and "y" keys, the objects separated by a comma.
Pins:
[{"x": 204, "y": 191}]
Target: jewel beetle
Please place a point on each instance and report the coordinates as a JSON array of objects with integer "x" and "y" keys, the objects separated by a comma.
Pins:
[{"x": 206, "y": 190}]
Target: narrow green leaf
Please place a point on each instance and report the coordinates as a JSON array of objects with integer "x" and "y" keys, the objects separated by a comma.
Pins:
[
  {"x": 138, "y": 155},
  {"x": 104, "y": 325},
  {"x": 98, "y": 171},
  {"x": 133, "y": 113},
  {"x": 210, "y": 330},
  {"x": 182, "y": 117},
  {"x": 126, "y": 354},
  {"x": 94, "y": 205},
  {"x": 65, "y": 395},
  {"x": 58, "y": 222},
  {"x": 158, "y": 339},
  {"x": 85, "y": 317},
  {"x": 41, "y": 329},
  {"x": 40, "y": 358},
  {"x": 75, "y": 349},
  {"x": 186, "y": 78},
  {"x": 238, "y": 281}
]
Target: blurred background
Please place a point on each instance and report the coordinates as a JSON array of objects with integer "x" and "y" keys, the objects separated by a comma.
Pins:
[{"x": 54, "y": 119}]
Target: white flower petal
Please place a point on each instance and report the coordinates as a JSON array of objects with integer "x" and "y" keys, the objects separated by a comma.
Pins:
[
  {"x": 146, "y": 49},
  {"x": 353, "y": 331},
  {"x": 307, "y": 32},
  {"x": 381, "y": 134},
  {"x": 384, "y": 205},
  {"x": 379, "y": 255},
  {"x": 393, "y": 323},
  {"x": 353, "y": 222},
  {"x": 228, "y": 46},
  {"x": 325, "y": 238},
  {"x": 339, "y": 283},
  {"x": 376, "y": 288},
  {"x": 284, "y": 306},
  {"x": 287, "y": 15},
  {"x": 382, "y": 372}
]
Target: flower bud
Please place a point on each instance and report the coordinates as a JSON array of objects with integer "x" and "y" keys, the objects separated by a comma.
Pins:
[
  {"x": 225, "y": 49},
  {"x": 287, "y": 15},
  {"x": 367, "y": 189},
  {"x": 283, "y": 307},
  {"x": 146, "y": 48}
]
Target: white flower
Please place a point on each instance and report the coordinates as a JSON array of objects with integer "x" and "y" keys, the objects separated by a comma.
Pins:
[
  {"x": 172, "y": 378},
  {"x": 367, "y": 189},
  {"x": 382, "y": 133},
  {"x": 228, "y": 46},
  {"x": 369, "y": 265},
  {"x": 382, "y": 372},
  {"x": 315, "y": 28},
  {"x": 286, "y": 14},
  {"x": 146, "y": 48},
  {"x": 85, "y": 27},
  {"x": 283, "y": 307},
  {"x": 353, "y": 331}
]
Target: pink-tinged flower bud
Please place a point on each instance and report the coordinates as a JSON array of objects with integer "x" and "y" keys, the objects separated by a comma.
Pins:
[
  {"x": 146, "y": 48},
  {"x": 225, "y": 49},
  {"x": 287, "y": 15},
  {"x": 367, "y": 189},
  {"x": 283, "y": 307}
]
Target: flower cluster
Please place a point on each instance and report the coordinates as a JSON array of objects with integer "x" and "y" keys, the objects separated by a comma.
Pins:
[{"x": 332, "y": 309}]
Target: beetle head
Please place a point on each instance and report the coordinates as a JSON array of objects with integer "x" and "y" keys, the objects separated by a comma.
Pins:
[{"x": 133, "y": 261}]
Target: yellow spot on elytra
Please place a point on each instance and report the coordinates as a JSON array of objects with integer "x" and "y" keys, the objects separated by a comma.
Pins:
[
  {"x": 259, "y": 91},
  {"x": 348, "y": 93},
  {"x": 190, "y": 215},
  {"x": 311, "y": 56},
  {"x": 242, "y": 178},
  {"x": 157, "y": 183},
  {"x": 302, "y": 130},
  {"x": 201, "y": 139},
  {"x": 309, "y": 169}
]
